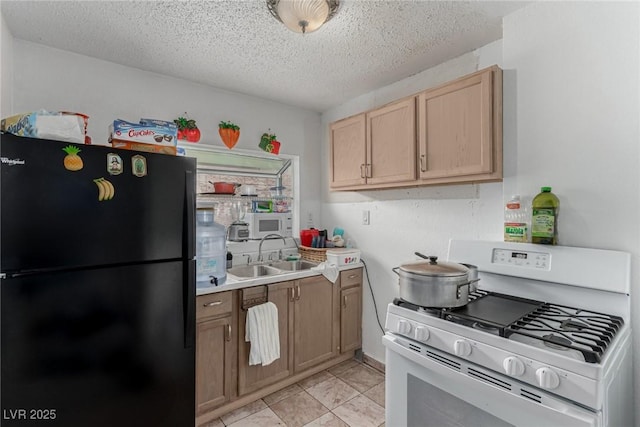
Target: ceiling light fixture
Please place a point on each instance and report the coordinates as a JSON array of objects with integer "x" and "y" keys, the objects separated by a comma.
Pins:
[{"x": 303, "y": 16}]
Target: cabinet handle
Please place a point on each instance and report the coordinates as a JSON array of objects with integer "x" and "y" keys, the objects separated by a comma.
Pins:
[
  {"x": 228, "y": 332},
  {"x": 292, "y": 294},
  {"x": 212, "y": 304},
  {"x": 353, "y": 276},
  {"x": 423, "y": 162},
  {"x": 362, "y": 171},
  {"x": 369, "y": 169},
  {"x": 298, "y": 297},
  {"x": 344, "y": 301}
]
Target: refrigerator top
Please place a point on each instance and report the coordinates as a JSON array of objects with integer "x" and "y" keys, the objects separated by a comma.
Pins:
[{"x": 74, "y": 206}]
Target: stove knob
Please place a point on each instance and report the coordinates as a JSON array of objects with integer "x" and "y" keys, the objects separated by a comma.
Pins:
[
  {"x": 547, "y": 378},
  {"x": 462, "y": 348},
  {"x": 404, "y": 327},
  {"x": 513, "y": 366},
  {"x": 421, "y": 333}
]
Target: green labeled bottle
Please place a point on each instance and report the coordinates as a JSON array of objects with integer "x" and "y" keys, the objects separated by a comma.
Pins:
[{"x": 544, "y": 219}]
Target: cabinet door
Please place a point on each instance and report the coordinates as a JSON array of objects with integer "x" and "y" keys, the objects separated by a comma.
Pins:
[
  {"x": 253, "y": 377},
  {"x": 215, "y": 346},
  {"x": 457, "y": 129},
  {"x": 351, "y": 319},
  {"x": 348, "y": 152},
  {"x": 391, "y": 143},
  {"x": 317, "y": 321}
]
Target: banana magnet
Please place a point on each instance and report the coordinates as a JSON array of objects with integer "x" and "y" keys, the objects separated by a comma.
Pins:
[{"x": 106, "y": 190}]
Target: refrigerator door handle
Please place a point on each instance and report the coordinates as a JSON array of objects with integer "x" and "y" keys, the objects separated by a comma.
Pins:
[
  {"x": 190, "y": 304},
  {"x": 190, "y": 214}
]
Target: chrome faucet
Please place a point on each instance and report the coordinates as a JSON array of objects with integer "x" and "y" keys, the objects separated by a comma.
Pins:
[{"x": 262, "y": 241}]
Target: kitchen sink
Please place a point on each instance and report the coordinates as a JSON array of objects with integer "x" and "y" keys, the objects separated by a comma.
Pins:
[
  {"x": 271, "y": 269},
  {"x": 293, "y": 265},
  {"x": 254, "y": 271}
]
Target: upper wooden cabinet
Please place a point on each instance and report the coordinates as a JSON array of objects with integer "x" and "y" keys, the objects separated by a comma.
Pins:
[
  {"x": 348, "y": 152},
  {"x": 457, "y": 138},
  {"x": 391, "y": 143},
  {"x": 460, "y": 129},
  {"x": 376, "y": 148}
]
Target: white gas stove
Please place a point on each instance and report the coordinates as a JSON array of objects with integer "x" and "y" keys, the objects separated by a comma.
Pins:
[{"x": 544, "y": 341}]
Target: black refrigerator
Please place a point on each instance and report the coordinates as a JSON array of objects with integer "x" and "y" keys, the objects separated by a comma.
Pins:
[{"x": 97, "y": 286}]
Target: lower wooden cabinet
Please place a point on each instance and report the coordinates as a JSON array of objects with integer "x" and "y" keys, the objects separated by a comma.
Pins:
[
  {"x": 254, "y": 377},
  {"x": 216, "y": 350},
  {"x": 316, "y": 322},
  {"x": 350, "y": 310},
  {"x": 308, "y": 323},
  {"x": 319, "y": 323}
]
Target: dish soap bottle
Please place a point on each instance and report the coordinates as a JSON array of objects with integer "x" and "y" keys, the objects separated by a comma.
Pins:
[
  {"x": 544, "y": 220},
  {"x": 515, "y": 221}
]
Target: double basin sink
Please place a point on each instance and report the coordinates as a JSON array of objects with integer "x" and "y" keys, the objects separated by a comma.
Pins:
[{"x": 270, "y": 269}]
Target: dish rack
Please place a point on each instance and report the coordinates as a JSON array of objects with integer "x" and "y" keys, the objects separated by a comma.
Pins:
[{"x": 313, "y": 254}]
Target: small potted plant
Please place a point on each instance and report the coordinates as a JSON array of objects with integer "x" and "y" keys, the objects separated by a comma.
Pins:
[
  {"x": 229, "y": 132},
  {"x": 187, "y": 129},
  {"x": 269, "y": 143}
]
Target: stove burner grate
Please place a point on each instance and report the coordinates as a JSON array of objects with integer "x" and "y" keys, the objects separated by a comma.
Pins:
[
  {"x": 558, "y": 327},
  {"x": 564, "y": 327}
]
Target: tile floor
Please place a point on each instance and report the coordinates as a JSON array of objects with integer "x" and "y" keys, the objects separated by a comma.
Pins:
[{"x": 350, "y": 394}]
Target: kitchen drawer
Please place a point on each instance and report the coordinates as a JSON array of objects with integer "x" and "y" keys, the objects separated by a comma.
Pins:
[
  {"x": 213, "y": 304},
  {"x": 351, "y": 277}
]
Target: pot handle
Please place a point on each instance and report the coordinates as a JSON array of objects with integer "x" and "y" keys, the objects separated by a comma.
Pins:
[
  {"x": 432, "y": 259},
  {"x": 461, "y": 285},
  {"x": 395, "y": 270},
  {"x": 469, "y": 283}
]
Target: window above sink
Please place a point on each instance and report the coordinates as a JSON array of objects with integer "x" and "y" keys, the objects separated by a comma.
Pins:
[{"x": 237, "y": 162}]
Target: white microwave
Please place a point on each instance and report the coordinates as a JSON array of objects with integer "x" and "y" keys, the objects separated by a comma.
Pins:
[{"x": 261, "y": 224}]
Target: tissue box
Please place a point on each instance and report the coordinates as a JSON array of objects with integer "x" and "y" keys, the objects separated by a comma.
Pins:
[
  {"x": 342, "y": 257},
  {"x": 57, "y": 125}
]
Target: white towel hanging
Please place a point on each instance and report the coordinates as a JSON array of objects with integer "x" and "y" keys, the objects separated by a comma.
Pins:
[{"x": 262, "y": 331}]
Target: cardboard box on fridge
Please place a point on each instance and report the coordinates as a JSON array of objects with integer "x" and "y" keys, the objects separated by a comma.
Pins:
[
  {"x": 148, "y": 131},
  {"x": 142, "y": 146}
]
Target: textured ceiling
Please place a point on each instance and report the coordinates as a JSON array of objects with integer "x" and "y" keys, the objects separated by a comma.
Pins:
[{"x": 238, "y": 46}]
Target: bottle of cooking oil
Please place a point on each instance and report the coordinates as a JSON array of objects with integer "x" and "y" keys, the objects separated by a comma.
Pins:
[
  {"x": 515, "y": 221},
  {"x": 544, "y": 219}
]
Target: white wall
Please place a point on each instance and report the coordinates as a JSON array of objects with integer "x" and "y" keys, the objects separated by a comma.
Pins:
[
  {"x": 58, "y": 80},
  {"x": 6, "y": 68},
  {"x": 414, "y": 219},
  {"x": 571, "y": 109},
  {"x": 576, "y": 68}
]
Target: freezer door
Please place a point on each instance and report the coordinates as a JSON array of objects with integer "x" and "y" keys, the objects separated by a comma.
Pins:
[
  {"x": 100, "y": 348},
  {"x": 52, "y": 217}
]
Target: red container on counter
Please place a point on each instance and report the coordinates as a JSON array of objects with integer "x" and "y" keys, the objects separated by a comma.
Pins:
[{"x": 306, "y": 236}]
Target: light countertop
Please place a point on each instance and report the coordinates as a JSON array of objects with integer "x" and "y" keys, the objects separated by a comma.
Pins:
[{"x": 234, "y": 282}]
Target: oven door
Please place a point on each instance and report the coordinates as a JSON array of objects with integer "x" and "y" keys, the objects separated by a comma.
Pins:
[{"x": 427, "y": 387}]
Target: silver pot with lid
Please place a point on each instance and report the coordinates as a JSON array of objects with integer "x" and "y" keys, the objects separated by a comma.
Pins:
[{"x": 433, "y": 283}]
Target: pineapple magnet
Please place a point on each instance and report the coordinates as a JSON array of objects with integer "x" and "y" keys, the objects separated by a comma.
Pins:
[{"x": 72, "y": 161}]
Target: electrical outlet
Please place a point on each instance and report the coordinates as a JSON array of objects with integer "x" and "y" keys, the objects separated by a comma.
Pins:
[{"x": 365, "y": 217}]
